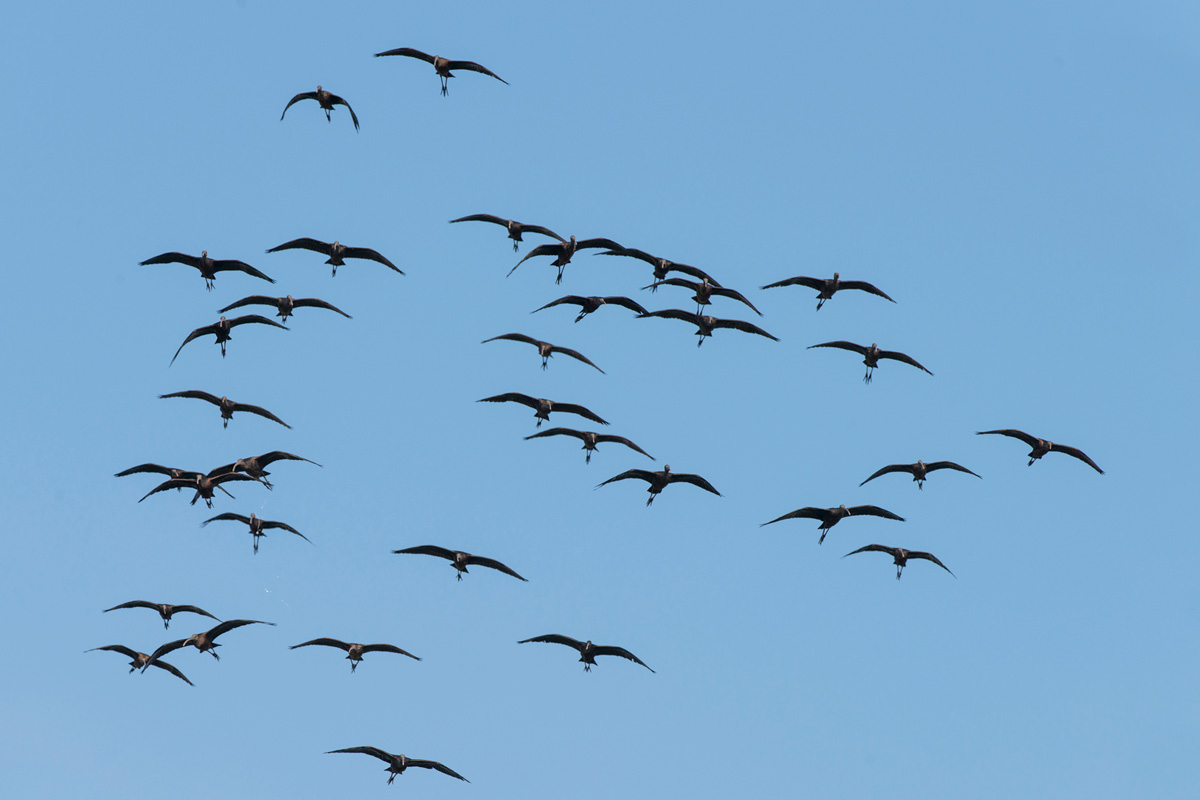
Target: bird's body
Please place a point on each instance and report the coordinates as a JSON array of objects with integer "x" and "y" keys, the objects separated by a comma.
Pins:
[
  {"x": 227, "y": 406},
  {"x": 326, "y": 100},
  {"x": 832, "y": 516},
  {"x": 827, "y": 287},
  {"x": 337, "y": 254},
  {"x": 590, "y": 304},
  {"x": 704, "y": 291},
  {"x": 223, "y": 328},
  {"x": 205, "y": 641},
  {"x": 587, "y": 650},
  {"x": 284, "y": 306},
  {"x": 208, "y": 267},
  {"x": 562, "y": 252},
  {"x": 442, "y": 66},
  {"x": 661, "y": 480},
  {"x": 662, "y": 266},
  {"x": 872, "y": 356},
  {"x": 141, "y": 660},
  {"x": 706, "y": 325},
  {"x": 920, "y": 470},
  {"x": 590, "y": 439},
  {"x": 542, "y": 407},
  {"x": 458, "y": 559},
  {"x": 398, "y": 763},
  {"x": 205, "y": 485},
  {"x": 900, "y": 556},
  {"x": 356, "y": 651},
  {"x": 258, "y": 527},
  {"x": 545, "y": 349},
  {"x": 1042, "y": 446},
  {"x": 165, "y": 610},
  {"x": 256, "y": 466},
  {"x": 515, "y": 229}
]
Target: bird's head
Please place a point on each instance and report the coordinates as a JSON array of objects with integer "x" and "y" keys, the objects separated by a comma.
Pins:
[
  {"x": 836, "y": 275},
  {"x": 204, "y": 254},
  {"x": 319, "y": 87},
  {"x": 667, "y": 468}
]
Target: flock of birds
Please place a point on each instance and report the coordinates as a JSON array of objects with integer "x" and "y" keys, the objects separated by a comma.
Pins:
[{"x": 704, "y": 290}]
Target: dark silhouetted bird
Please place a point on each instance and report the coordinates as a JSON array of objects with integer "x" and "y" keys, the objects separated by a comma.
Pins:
[
  {"x": 660, "y": 480},
  {"x": 222, "y": 328},
  {"x": 590, "y": 439},
  {"x": 515, "y": 229},
  {"x": 398, "y": 763},
  {"x": 545, "y": 349},
  {"x": 542, "y": 407},
  {"x": 227, "y": 406},
  {"x": 458, "y": 559},
  {"x": 590, "y": 304},
  {"x": 208, "y": 267},
  {"x": 284, "y": 306},
  {"x": 872, "y": 355},
  {"x": 832, "y": 516},
  {"x": 920, "y": 470},
  {"x": 826, "y": 288},
  {"x": 165, "y": 610},
  {"x": 256, "y": 467},
  {"x": 706, "y": 325},
  {"x": 562, "y": 252},
  {"x": 140, "y": 660},
  {"x": 257, "y": 526},
  {"x": 356, "y": 651},
  {"x": 442, "y": 66},
  {"x": 1041, "y": 447},
  {"x": 337, "y": 253},
  {"x": 587, "y": 650},
  {"x": 704, "y": 291},
  {"x": 204, "y": 642},
  {"x": 900, "y": 556},
  {"x": 327, "y": 100}
]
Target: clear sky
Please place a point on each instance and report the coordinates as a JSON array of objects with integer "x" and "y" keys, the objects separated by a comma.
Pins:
[{"x": 1020, "y": 177}]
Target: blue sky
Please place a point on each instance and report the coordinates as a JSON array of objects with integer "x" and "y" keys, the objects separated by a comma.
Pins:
[{"x": 1020, "y": 178}]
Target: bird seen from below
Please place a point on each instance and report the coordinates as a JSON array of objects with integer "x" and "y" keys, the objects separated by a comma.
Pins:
[
  {"x": 562, "y": 252},
  {"x": 208, "y": 267},
  {"x": 458, "y": 559},
  {"x": 704, "y": 291},
  {"x": 337, "y": 253},
  {"x": 398, "y": 763},
  {"x": 205, "y": 485},
  {"x": 140, "y": 660},
  {"x": 545, "y": 349},
  {"x": 872, "y": 355},
  {"x": 165, "y": 610},
  {"x": 258, "y": 527},
  {"x": 1042, "y": 446},
  {"x": 832, "y": 516},
  {"x": 900, "y": 556},
  {"x": 442, "y": 66},
  {"x": 327, "y": 100},
  {"x": 590, "y": 304},
  {"x": 356, "y": 651},
  {"x": 542, "y": 407},
  {"x": 222, "y": 329},
  {"x": 590, "y": 439},
  {"x": 256, "y": 466},
  {"x": 284, "y": 306},
  {"x": 205, "y": 641},
  {"x": 587, "y": 650},
  {"x": 662, "y": 266},
  {"x": 227, "y": 406},
  {"x": 919, "y": 470},
  {"x": 515, "y": 229},
  {"x": 660, "y": 480},
  {"x": 827, "y": 287},
  {"x": 706, "y": 325}
]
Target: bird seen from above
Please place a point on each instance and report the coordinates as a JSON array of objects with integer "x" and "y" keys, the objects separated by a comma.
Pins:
[
  {"x": 458, "y": 559},
  {"x": 284, "y": 306},
  {"x": 515, "y": 229},
  {"x": 442, "y": 66},
  {"x": 257, "y": 526},
  {"x": 205, "y": 641},
  {"x": 900, "y": 556},
  {"x": 590, "y": 439},
  {"x": 140, "y": 660},
  {"x": 398, "y": 763},
  {"x": 706, "y": 325},
  {"x": 222, "y": 329},
  {"x": 872, "y": 355},
  {"x": 165, "y": 610},
  {"x": 590, "y": 304},
  {"x": 827, "y": 287},
  {"x": 1042, "y": 446},
  {"x": 587, "y": 650},
  {"x": 208, "y": 267},
  {"x": 256, "y": 467},
  {"x": 920, "y": 470},
  {"x": 227, "y": 406},
  {"x": 660, "y": 480},
  {"x": 356, "y": 651},
  {"x": 704, "y": 291},
  {"x": 337, "y": 253},
  {"x": 662, "y": 266},
  {"x": 562, "y": 252},
  {"x": 832, "y": 516},
  {"x": 545, "y": 349},
  {"x": 205, "y": 485},
  {"x": 542, "y": 407},
  {"x": 327, "y": 100}
]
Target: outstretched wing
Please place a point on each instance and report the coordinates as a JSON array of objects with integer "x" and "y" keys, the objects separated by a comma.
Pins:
[
  {"x": 1077, "y": 453},
  {"x": 874, "y": 548},
  {"x": 233, "y": 265},
  {"x": 555, "y": 638},
  {"x": 297, "y": 99},
  {"x": 304, "y": 243},
  {"x": 625, "y": 302},
  {"x": 157, "y": 468},
  {"x": 799, "y": 280},
  {"x": 254, "y": 319},
  {"x": 228, "y": 625},
  {"x": 194, "y": 394},
  {"x": 411, "y": 53},
  {"x": 473, "y": 67},
  {"x": 370, "y": 255},
  {"x": 252, "y": 300},
  {"x": 326, "y": 641},
  {"x": 808, "y": 512},
  {"x": 571, "y": 298},
  {"x": 511, "y": 397},
  {"x": 552, "y": 249},
  {"x": 561, "y": 432},
  {"x": 1032, "y": 441},
  {"x": 163, "y": 650},
  {"x": 130, "y": 604},
  {"x": 929, "y": 557},
  {"x": 492, "y": 563},
  {"x": 278, "y": 455},
  {"x": 196, "y": 334},
  {"x": 949, "y": 465},
  {"x": 193, "y": 610},
  {"x": 694, "y": 480},
  {"x": 260, "y": 411},
  {"x": 387, "y": 648},
  {"x": 642, "y": 474},
  {"x": 515, "y": 337},
  {"x": 128, "y": 652},
  {"x": 893, "y": 468},
  {"x": 382, "y": 755},
  {"x": 742, "y": 325},
  {"x": 442, "y": 768},
  {"x": 427, "y": 550},
  {"x": 169, "y": 668},
  {"x": 544, "y": 231},
  {"x": 286, "y": 527},
  {"x": 674, "y": 313},
  {"x": 613, "y": 650},
  {"x": 228, "y": 516},
  {"x": 873, "y": 511},
  {"x": 863, "y": 286},
  {"x": 734, "y": 294},
  {"x": 314, "y": 302},
  {"x": 851, "y": 346},
  {"x": 172, "y": 258},
  {"x": 334, "y": 100},
  {"x": 605, "y": 437},
  {"x": 575, "y": 354},
  {"x": 895, "y": 356},
  {"x": 572, "y": 408}
]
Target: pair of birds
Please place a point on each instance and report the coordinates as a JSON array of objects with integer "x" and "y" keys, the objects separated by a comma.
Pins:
[{"x": 206, "y": 484}]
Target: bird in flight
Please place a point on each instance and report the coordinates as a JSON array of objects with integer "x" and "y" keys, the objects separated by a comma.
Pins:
[
  {"x": 205, "y": 485},
  {"x": 442, "y": 66},
  {"x": 515, "y": 229},
  {"x": 208, "y": 267},
  {"x": 337, "y": 253},
  {"x": 257, "y": 526},
  {"x": 590, "y": 304},
  {"x": 704, "y": 291},
  {"x": 222, "y": 330},
  {"x": 256, "y": 467},
  {"x": 458, "y": 559},
  {"x": 165, "y": 610},
  {"x": 327, "y": 100},
  {"x": 284, "y": 306},
  {"x": 587, "y": 650},
  {"x": 562, "y": 252},
  {"x": 356, "y": 651},
  {"x": 661, "y": 480},
  {"x": 398, "y": 763},
  {"x": 140, "y": 660},
  {"x": 827, "y": 287},
  {"x": 542, "y": 407},
  {"x": 900, "y": 556},
  {"x": 872, "y": 355},
  {"x": 545, "y": 349},
  {"x": 204, "y": 642},
  {"x": 706, "y": 325},
  {"x": 832, "y": 516},
  {"x": 1041, "y": 447},
  {"x": 919, "y": 470},
  {"x": 590, "y": 439},
  {"x": 227, "y": 406}
]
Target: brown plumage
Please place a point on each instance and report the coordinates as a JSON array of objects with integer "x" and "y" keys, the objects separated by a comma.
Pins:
[
  {"x": 355, "y": 650},
  {"x": 703, "y": 292},
  {"x": 832, "y": 516},
  {"x": 590, "y": 439},
  {"x": 587, "y": 650},
  {"x": 284, "y": 306},
  {"x": 515, "y": 229},
  {"x": 227, "y": 406},
  {"x": 255, "y": 467},
  {"x": 205, "y": 485},
  {"x": 872, "y": 356},
  {"x": 542, "y": 407},
  {"x": 257, "y": 526},
  {"x": 165, "y": 610},
  {"x": 919, "y": 470},
  {"x": 208, "y": 267},
  {"x": 140, "y": 660},
  {"x": 442, "y": 66},
  {"x": 398, "y": 763},
  {"x": 327, "y": 100},
  {"x": 458, "y": 559},
  {"x": 590, "y": 304},
  {"x": 662, "y": 266},
  {"x": 205, "y": 641},
  {"x": 827, "y": 287},
  {"x": 337, "y": 253},
  {"x": 661, "y": 480},
  {"x": 545, "y": 349},
  {"x": 900, "y": 556},
  {"x": 1042, "y": 446},
  {"x": 562, "y": 252},
  {"x": 222, "y": 328},
  {"x": 706, "y": 325}
]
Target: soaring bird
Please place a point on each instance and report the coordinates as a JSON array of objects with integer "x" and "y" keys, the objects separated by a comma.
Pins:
[
  {"x": 337, "y": 253},
  {"x": 356, "y": 651},
  {"x": 203, "y": 641},
  {"x": 458, "y": 559},
  {"x": 545, "y": 349},
  {"x": 703, "y": 291},
  {"x": 662, "y": 266},
  {"x": 660, "y": 480},
  {"x": 515, "y": 229},
  {"x": 170, "y": 472},
  {"x": 140, "y": 660},
  {"x": 562, "y": 252},
  {"x": 587, "y": 650},
  {"x": 590, "y": 304},
  {"x": 327, "y": 100},
  {"x": 205, "y": 485},
  {"x": 706, "y": 325},
  {"x": 165, "y": 610},
  {"x": 398, "y": 763},
  {"x": 900, "y": 556},
  {"x": 442, "y": 66},
  {"x": 208, "y": 267},
  {"x": 590, "y": 439},
  {"x": 257, "y": 526},
  {"x": 826, "y": 288},
  {"x": 542, "y": 407},
  {"x": 222, "y": 328},
  {"x": 872, "y": 355},
  {"x": 284, "y": 306},
  {"x": 1041, "y": 447},
  {"x": 920, "y": 470},
  {"x": 832, "y": 516},
  {"x": 256, "y": 467},
  {"x": 227, "y": 406}
]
